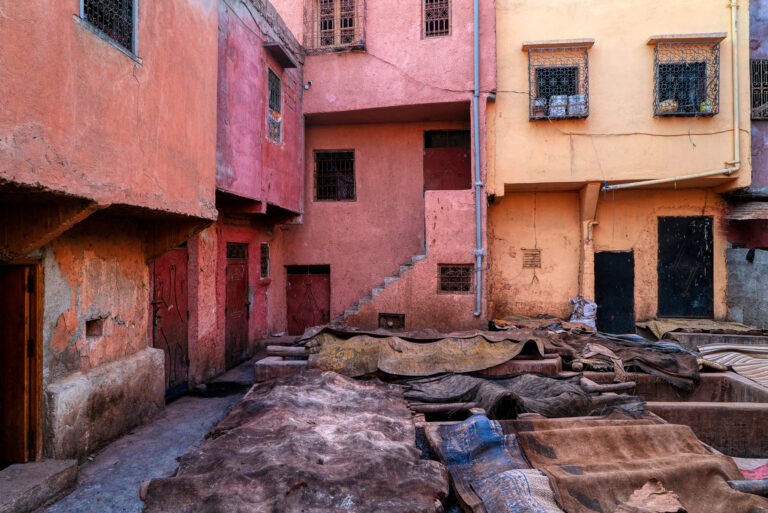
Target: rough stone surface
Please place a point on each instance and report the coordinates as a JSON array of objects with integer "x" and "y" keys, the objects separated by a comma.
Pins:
[
  {"x": 87, "y": 409},
  {"x": 110, "y": 483},
  {"x": 315, "y": 442},
  {"x": 27, "y": 486},
  {"x": 747, "y": 301}
]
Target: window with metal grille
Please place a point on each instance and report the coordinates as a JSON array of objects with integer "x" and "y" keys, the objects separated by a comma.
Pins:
[
  {"x": 455, "y": 279},
  {"x": 237, "y": 250},
  {"x": 275, "y": 110},
  {"x": 335, "y": 175},
  {"x": 687, "y": 79},
  {"x": 760, "y": 89},
  {"x": 531, "y": 259},
  {"x": 335, "y": 23},
  {"x": 264, "y": 263},
  {"x": 559, "y": 82},
  {"x": 114, "y": 18},
  {"x": 437, "y": 17}
]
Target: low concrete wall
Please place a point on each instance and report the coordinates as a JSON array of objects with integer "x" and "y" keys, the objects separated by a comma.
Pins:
[
  {"x": 747, "y": 282},
  {"x": 85, "y": 410}
]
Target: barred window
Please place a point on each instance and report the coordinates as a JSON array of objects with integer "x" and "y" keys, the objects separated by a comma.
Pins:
[
  {"x": 335, "y": 175},
  {"x": 687, "y": 78},
  {"x": 455, "y": 279},
  {"x": 337, "y": 22},
  {"x": 264, "y": 263},
  {"x": 114, "y": 18},
  {"x": 237, "y": 250},
  {"x": 275, "y": 110},
  {"x": 760, "y": 89},
  {"x": 559, "y": 80},
  {"x": 437, "y": 17}
]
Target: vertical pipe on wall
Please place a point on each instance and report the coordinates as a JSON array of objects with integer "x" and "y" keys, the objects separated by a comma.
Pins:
[
  {"x": 479, "y": 251},
  {"x": 734, "y": 5}
]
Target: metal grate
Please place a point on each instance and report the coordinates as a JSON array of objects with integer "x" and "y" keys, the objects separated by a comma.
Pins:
[
  {"x": 112, "y": 17},
  {"x": 392, "y": 321},
  {"x": 686, "y": 79},
  {"x": 455, "y": 278},
  {"x": 437, "y": 17},
  {"x": 335, "y": 175},
  {"x": 237, "y": 250},
  {"x": 264, "y": 262},
  {"x": 760, "y": 89},
  {"x": 531, "y": 259},
  {"x": 559, "y": 82},
  {"x": 335, "y": 24},
  {"x": 274, "y": 114}
]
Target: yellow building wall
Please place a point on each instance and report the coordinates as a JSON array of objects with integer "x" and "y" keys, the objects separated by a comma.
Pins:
[
  {"x": 545, "y": 221},
  {"x": 621, "y": 139}
]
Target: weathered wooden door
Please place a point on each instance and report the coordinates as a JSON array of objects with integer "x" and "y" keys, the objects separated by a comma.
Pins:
[
  {"x": 171, "y": 318},
  {"x": 615, "y": 291},
  {"x": 19, "y": 352},
  {"x": 686, "y": 287},
  {"x": 308, "y": 297},
  {"x": 237, "y": 308}
]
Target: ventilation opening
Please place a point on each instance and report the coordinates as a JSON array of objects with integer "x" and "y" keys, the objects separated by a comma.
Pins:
[
  {"x": 94, "y": 328},
  {"x": 531, "y": 259},
  {"x": 455, "y": 279},
  {"x": 392, "y": 321},
  {"x": 237, "y": 251}
]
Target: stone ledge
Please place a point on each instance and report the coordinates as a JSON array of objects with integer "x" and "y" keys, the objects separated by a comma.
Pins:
[{"x": 25, "y": 487}]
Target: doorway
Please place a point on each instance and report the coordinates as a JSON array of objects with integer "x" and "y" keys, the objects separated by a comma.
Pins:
[
  {"x": 237, "y": 310},
  {"x": 686, "y": 287},
  {"x": 171, "y": 318},
  {"x": 308, "y": 297},
  {"x": 615, "y": 291},
  {"x": 20, "y": 354}
]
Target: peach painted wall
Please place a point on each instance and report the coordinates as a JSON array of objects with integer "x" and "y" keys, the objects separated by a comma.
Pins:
[
  {"x": 399, "y": 66},
  {"x": 249, "y": 163},
  {"x": 627, "y": 220},
  {"x": 365, "y": 240},
  {"x": 450, "y": 240},
  {"x": 621, "y": 139},
  {"x": 545, "y": 221},
  {"x": 80, "y": 116}
]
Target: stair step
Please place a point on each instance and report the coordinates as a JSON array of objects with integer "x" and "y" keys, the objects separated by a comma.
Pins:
[
  {"x": 405, "y": 267},
  {"x": 365, "y": 299},
  {"x": 351, "y": 311},
  {"x": 376, "y": 291},
  {"x": 418, "y": 258},
  {"x": 390, "y": 279}
]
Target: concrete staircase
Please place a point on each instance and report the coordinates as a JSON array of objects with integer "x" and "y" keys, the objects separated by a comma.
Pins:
[{"x": 375, "y": 291}]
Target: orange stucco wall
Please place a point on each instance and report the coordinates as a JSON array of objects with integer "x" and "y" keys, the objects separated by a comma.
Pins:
[
  {"x": 78, "y": 115},
  {"x": 621, "y": 139},
  {"x": 626, "y": 220}
]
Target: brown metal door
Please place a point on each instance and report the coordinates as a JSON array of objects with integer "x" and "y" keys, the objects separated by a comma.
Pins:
[
  {"x": 308, "y": 297},
  {"x": 171, "y": 318},
  {"x": 237, "y": 309},
  {"x": 18, "y": 348}
]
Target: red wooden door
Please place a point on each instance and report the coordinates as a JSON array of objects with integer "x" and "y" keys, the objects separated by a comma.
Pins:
[
  {"x": 237, "y": 309},
  {"x": 308, "y": 297},
  {"x": 171, "y": 318}
]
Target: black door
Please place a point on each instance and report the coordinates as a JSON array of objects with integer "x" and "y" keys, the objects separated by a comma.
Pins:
[
  {"x": 685, "y": 267},
  {"x": 615, "y": 291}
]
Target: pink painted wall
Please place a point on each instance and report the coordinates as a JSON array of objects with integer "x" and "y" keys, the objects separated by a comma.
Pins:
[
  {"x": 249, "y": 163},
  {"x": 365, "y": 240},
  {"x": 82, "y": 117},
  {"x": 450, "y": 230},
  {"x": 398, "y": 67}
]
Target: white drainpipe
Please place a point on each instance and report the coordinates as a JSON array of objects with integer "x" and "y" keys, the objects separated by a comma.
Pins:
[
  {"x": 733, "y": 165},
  {"x": 479, "y": 250}
]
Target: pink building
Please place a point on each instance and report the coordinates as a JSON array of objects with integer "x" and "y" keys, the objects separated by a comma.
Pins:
[
  {"x": 388, "y": 231},
  {"x": 231, "y": 277},
  {"x": 107, "y": 159}
]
